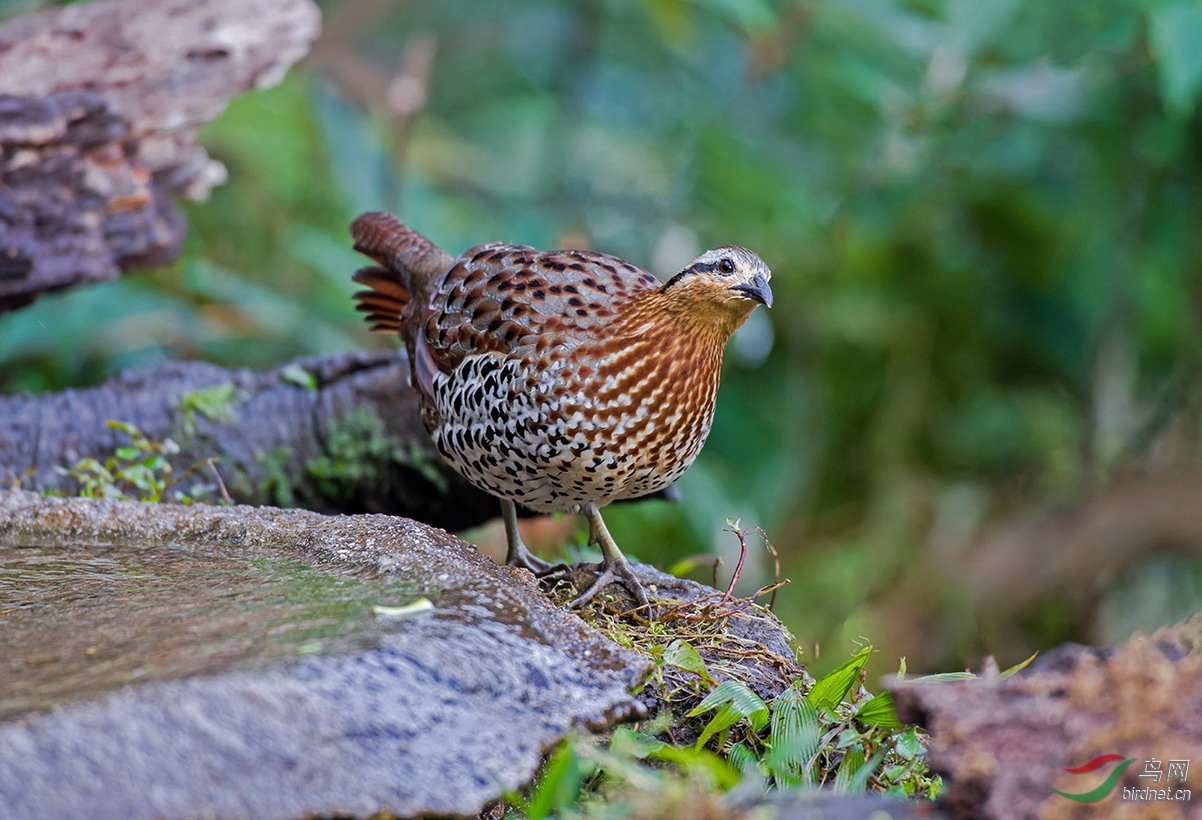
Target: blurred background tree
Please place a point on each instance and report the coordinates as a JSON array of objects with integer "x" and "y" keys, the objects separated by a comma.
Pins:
[{"x": 985, "y": 223}]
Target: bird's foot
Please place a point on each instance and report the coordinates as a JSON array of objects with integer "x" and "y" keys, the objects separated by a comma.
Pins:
[
  {"x": 523, "y": 557},
  {"x": 621, "y": 573},
  {"x": 518, "y": 554},
  {"x": 555, "y": 572}
]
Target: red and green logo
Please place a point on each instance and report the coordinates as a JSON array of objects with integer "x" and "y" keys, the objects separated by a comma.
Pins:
[{"x": 1106, "y": 786}]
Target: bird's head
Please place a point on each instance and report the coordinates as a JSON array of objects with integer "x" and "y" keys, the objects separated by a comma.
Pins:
[{"x": 721, "y": 286}]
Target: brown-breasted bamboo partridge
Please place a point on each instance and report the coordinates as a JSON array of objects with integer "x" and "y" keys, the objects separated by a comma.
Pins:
[{"x": 559, "y": 380}]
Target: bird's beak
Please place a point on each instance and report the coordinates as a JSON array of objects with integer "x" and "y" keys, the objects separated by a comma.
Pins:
[{"x": 756, "y": 290}]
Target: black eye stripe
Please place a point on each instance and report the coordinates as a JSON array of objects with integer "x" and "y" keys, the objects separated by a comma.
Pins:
[{"x": 723, "y": 267}]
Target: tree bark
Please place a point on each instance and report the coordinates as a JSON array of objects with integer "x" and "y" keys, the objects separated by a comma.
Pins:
[
  {"x": 99, "y": 110},
  {"x": 338, "y": 433}
]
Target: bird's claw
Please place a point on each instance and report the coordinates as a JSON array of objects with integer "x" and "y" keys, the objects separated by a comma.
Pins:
[
  {"x": 554, "y": 572},
  {"x": 528, "y": 560},
  {"x": 615, "y": 572}
]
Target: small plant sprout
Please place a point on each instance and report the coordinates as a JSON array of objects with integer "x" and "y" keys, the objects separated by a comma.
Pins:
[{"x": 140, "y": 470}]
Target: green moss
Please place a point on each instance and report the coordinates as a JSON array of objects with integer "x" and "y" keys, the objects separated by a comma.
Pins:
[
  {"x": 419, "y": 460},
  {"x": 218, "y": 403},
  {"x": 358, "y": 452},
  {"x": 277, "y": 486}
]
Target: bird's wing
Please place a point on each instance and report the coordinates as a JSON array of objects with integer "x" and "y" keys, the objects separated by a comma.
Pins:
[{"x": 506, "y": 298}]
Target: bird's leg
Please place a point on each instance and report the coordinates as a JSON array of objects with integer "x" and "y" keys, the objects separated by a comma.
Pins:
[
  {"x": 614, "y": 566},
  {"x": 518, "y": 555}
]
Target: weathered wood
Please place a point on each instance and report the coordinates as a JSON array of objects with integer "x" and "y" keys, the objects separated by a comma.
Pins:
[
  {"x": 1002, "y": 744},
  {"x": 351, "y": 441},
  {"x": 99, "y": 110}
]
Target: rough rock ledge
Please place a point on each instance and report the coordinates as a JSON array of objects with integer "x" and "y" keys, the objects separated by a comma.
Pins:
[{"x": 167, "y": 661}]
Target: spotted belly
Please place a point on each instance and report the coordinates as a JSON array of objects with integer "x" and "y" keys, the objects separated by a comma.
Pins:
[{"x": 551, "y": 438}]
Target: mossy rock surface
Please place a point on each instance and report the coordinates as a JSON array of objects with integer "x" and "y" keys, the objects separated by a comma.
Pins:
[{"x": 167, "y": 661}]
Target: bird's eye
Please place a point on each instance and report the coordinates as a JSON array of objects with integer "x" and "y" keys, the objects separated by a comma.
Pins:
[{"x": 726, "y": 266}]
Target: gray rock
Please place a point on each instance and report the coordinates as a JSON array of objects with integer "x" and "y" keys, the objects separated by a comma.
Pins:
[{"x": 163, "y": 661}]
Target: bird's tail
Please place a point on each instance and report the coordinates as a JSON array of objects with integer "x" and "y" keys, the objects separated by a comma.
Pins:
[
  {"x": 384, "y": 302},
  {"x": 407, "y": 261}
]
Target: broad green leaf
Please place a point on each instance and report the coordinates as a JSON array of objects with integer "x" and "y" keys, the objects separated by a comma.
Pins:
[
  {"x": 849, "y": 738},
  {"x": 727, "y": 692},
  {"x": 908, "y": 745},
  {"x": 832, "y": 689},
  {"x": 793, "y": 737},
  {"x": 742, "y": 758},
  {"x": 855, "y": 772},
  {"x": 726, "y": 717},
  {"x": 558, "y": 785},
  {"x": 683, "y": 656},
  {"x": 736, "y": 703},
  {"x": 628, "y": 743},
  {"x": 879, "y": 711},
  {"x": 852, "y": 762},
  {"x": 718, "y": 770},
  {"x": 634, "y": 743}
]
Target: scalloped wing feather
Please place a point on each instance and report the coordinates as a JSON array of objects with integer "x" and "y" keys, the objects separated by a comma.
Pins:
[{"x": 510, "y": 298}]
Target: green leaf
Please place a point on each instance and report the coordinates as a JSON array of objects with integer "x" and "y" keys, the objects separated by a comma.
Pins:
[
  {"x": 634, "y": 743},
  {"x": 737, "y": 702},
  {"x": 1175, "y": 34},
  {"x": 907, "y": 744},
  {"x": 151, "y": 462},
  {"x": 746, "y": 702},
  {"x": 832, "y": 689},
  {"x": 742, "y": 758},
  {"x": 90, "y": 465},
  {"x": 1018, "y": 667},
  {"x": 216, "y": 403},
  {"x": 696, "y": 759},
  {"x": 726, "y": 717},
  {"x": 559, "y": 784},
  {"x": 793, "y": 737},
  {"x": 849, "y": 738},
  {"x": 943, "y": 677},
  {"x": 879, "y": 711},
  {"x": 682, "y": 655},
  {"x": 294, "y": 373},
  {"x": 853, "y": 761},
  {"x": 855, "y": 772}
]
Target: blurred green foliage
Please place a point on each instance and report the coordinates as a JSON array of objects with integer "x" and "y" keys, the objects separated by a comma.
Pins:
[{"x": 984, "y": 218}]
